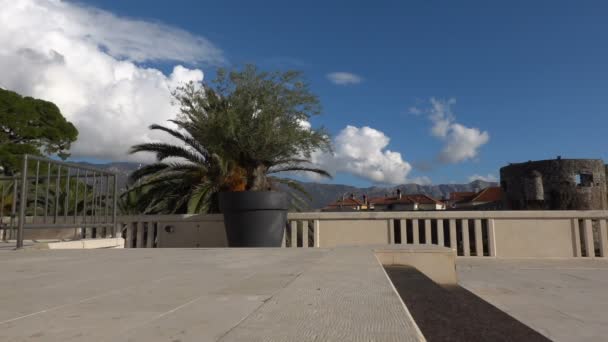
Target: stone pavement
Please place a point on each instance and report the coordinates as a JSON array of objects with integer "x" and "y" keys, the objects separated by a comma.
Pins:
[
  {"x": 270, "y": 295},
  {"x": 564, "y": 299},
  {"x": 199, "y": 295}
]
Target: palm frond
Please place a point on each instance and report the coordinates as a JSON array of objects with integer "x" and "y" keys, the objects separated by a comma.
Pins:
[
  {"x": 195, "y": 144},
  {"x": 164, "y": 151},
  {"x": 147, "y": 171},
  {"x": 301, "y": 168}
]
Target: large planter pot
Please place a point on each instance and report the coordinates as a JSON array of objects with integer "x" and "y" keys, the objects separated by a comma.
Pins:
[{"x": 254, "y": 219}]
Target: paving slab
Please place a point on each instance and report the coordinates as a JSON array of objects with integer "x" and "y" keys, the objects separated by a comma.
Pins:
[
  {"x": 198, "y": 295},
  {"x": 344, "y": 296},
  {"x": 563, "y": 299}
]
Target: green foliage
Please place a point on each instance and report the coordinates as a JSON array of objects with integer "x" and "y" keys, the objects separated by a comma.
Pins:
[
  {"x": 187, "y": 186},
  {"x": 234, "y": 136},
  {"x": 73, "y": 197},
  {"x": 6, "y": 196},
  {"x": 255, "y": 119},
  {"x": 31, "y": 126}
]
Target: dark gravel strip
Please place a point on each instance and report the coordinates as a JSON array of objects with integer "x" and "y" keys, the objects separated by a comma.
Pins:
[{"x": 453, "y": 313}]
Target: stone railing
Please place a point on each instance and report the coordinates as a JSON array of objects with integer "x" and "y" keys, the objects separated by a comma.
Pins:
[
  {"x": 172, "y": 231},
  {"x": 506, "y": 234}
]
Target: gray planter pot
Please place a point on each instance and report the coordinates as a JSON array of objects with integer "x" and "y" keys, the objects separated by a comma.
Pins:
[{"x": 254, "y": 219}]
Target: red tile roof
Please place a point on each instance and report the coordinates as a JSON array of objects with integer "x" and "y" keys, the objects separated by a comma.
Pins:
[
  {"x": 424, "y": 199},
  {"x": 405, "y": 199},
  {"x": 390, "y": 200},
  {"x": 491, "y": 194},
  {"x": 347, "y": 202},
  {"x": 461, "y": 196}
]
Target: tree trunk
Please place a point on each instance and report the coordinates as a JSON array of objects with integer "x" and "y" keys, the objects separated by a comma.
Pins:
[{"x": 257, "y": 179}]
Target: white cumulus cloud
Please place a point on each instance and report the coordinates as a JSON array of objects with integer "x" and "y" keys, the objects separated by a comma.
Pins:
[
  {"x": 488, "y": 178},
  {"x": 344, "y": 78},
  {"x": 461, "y": 142},
  {"x": 363, "y": 152},
  {"x": 88, "y": 62}
]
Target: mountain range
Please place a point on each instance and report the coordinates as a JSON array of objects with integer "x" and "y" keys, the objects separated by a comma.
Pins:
[{"x": 323, "y": 194}]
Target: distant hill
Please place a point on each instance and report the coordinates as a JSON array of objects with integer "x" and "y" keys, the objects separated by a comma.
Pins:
[
  {"x": 122, "y": 169},
  {"x": 323, "y": 194}
]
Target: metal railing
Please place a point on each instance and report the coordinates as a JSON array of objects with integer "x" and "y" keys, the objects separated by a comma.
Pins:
[
  {"x": 8, "y": 207},
  {"x": 57, "y": 195}
]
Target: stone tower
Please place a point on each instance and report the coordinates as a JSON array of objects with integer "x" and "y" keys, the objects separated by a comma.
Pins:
[{"x": 557, "y": 184}]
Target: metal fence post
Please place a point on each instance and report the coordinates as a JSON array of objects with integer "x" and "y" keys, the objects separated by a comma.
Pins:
[
  {"x": 114, "y": 203},
  {"x": 22, "y": 203}
]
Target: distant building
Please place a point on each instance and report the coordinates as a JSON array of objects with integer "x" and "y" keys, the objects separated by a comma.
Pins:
[
  {"x": 558, "y": 184},
  {"x": 459, "y": 196},
  {"x": 347, "y": 204},
  {"x": 396, "y": 202},
  {"x": 490, "y": 198}
]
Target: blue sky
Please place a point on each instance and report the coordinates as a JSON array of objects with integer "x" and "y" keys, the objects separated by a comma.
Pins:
[{"x": 532, "y": 74}]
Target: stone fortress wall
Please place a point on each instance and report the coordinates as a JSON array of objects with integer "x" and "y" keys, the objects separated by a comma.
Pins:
[{"x": 557, "y": 184}]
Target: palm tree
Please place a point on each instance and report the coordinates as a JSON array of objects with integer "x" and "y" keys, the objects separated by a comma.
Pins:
[
  {"x": 188, "y": 183},
  {"x": 79, "y": 197},
  {"x": 6, "y": 196},
  {"x": 234, "y": 137}
]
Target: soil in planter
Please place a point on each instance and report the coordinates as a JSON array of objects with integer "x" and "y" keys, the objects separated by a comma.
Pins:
[{"x": 453, "y": 313}]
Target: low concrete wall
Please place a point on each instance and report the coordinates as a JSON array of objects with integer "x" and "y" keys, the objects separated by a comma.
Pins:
[
  {"x": 437, "y": 263},
  {"x": 83, "y": 244},
  {"x": 338, "y": 233},
  {"x": 209, "y": 232},
  {"x": 533, "y": 238},
  {"x": 173, "y": 231}
]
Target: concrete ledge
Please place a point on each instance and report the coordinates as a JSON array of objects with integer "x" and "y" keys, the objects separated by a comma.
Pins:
[
  {"x": 437, "y": 263},
  {"x": 83, "y": 244}
]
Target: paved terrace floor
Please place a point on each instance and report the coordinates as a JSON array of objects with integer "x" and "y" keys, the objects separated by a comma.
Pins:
[
  {"x": 199, "y": 295},
  {"x": 565, "y": 300},
  {"x": 269, "y": 295}
]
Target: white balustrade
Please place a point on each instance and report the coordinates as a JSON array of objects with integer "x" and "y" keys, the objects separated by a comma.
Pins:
[{"x": 469, "y": 233}]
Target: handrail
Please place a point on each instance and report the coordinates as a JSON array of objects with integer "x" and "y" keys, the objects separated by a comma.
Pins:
[
  {"x": 448, "y": 214},
  {"x": 384, "y": 215},
  {"x": 71, "y": 165}
]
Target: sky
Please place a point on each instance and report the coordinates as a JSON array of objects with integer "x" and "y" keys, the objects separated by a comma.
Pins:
[{"x": 412, "y": 91}]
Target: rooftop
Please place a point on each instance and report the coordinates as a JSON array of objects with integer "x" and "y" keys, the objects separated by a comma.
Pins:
[
  {"x": 462, "y": 195},
  {"x": 271, "y": 294},
  {"x": 349, "y": 201},
  {"x": 490, "y": 194}
]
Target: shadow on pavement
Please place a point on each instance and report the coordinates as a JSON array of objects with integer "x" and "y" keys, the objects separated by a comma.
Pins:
[{"x": 453, "y": 313}]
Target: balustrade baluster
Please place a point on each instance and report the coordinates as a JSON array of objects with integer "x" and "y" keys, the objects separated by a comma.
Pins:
[
  {"x": 466, "y": 243},
  {"x": 576, "y": 243},
  {"x": 588, "y": 238},
  {"x": 139, "y": 242},
  {"x": 305, "y": 233},
  {"x": 478, "y": 238},
  {"x": 427, "y": 232},
  {"x": 603, "y": 239},
  {"x": 453, "y": 237},
  {"x": 403, "y": 230},
  {"x": 491, "y": 238},
  {"x": 440, "y": 240},
  {"x": 294, "y": 234},
  {"x": 150, "y": 236},
  {"x": 415, "y": 232}
]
